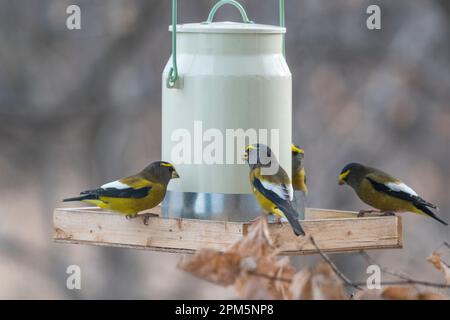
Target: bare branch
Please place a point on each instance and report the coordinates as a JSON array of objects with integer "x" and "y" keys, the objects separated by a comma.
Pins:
[
  {"x": 391, "y": 272},
  {"x": 268, "y": 277},
  {"x": 353, "y": 284},
  {"x": 411, "y": 282},
  {"x": 444, "y": 244},
  {"x": 407, "y": 280},
  {"x": 334, "y": 267}
]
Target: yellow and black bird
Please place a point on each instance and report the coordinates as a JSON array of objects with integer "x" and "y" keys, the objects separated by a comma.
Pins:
[
  {"x": 133, "y": 194},
  {"x": 298, "y": 169},
  {"x": 273, "y": 191},
  {"x": 384, "y": 192}
]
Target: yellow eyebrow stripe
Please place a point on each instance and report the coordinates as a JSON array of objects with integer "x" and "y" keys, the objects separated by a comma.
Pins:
[
  {"x": 167, "y": 165},
  {"x": 251, "y": 148},
  {"x": 294, "y": 148},
  {"x": 344, "y": 175}
]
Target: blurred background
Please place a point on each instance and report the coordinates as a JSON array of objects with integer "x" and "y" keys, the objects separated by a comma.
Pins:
[{"x": 79, "y": 108}]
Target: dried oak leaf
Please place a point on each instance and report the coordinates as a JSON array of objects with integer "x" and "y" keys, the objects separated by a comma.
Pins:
[
  {"x": 218, "y": 267},
  {"x": 301, "y": 287},
  {"x": 436, "y": 261},
  {"x": 268, "y": 281},
  {"x": 318, "y": 283},
  {"x": 284, "y": 271},
  {"x": 253, "y": 287},
  {"x": 272, "y": 273},
  {"x": 251, "y": 264},
  {"x": 428, "y": 295},
  {"x": 399, "y": 293},
  {"x": 410, "y": 293},
  {"x": 263, "y": 275},
  {"x": 257, "y": 242},
  {"x": 265, "y": 278}
]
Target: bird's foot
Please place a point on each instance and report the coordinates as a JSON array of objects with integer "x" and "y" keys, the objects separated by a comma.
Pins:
[
  {"x": 147, "y": 216},
  {"x": 364, "y": 213},
  {"x": 275, "y": 219},
  {"x": 278, "y": 220},
  {"x": 388, "y": 214}
]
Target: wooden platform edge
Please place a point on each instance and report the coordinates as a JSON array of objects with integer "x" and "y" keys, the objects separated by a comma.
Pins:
[{"x": 334, "y": 231}]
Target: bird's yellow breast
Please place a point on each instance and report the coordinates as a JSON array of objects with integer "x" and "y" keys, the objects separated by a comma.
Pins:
[
  {"x": 268, "y": 206},
  {"x": 299, "y": 180},
  {"x": 132, "y": 206}
]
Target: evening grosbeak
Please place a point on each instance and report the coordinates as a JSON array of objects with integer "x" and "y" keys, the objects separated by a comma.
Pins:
[
  {"x": 298, "y": 169},
  {"x": 133, "y": 194},
  {"x": 273, "y": 192},
  {"x": 384, "y": 192}
]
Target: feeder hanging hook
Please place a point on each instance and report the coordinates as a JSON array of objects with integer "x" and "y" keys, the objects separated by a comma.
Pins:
[{"x": 173, "y": 73}]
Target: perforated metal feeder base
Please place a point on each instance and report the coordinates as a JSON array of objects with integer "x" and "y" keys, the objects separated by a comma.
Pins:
[{"x": 217, "y": 206}]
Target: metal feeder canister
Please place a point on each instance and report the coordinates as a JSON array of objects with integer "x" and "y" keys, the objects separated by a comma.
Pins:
[{"x": 222, "y": 76}]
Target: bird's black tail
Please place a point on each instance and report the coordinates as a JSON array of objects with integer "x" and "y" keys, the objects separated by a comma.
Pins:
[
  {"x": 81, "y": 198},
  {"x": 291, "y": 215},
  {"x": 424, "y": 208}
]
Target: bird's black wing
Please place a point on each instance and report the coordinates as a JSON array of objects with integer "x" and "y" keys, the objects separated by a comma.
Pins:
[
  {"x": 119, "y": 193},
  {"x": 95, "y": 194},
  {"x": 284, "y": 205},
  {"x": 269, "y": 194},
  {"x": 416, "y": 200}
]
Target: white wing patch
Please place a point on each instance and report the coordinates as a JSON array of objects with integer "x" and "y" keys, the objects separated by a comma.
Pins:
[
  {"x": 115, "y": 185},
  {"x": 290, "y": 192},
  {"x": 285, "y": 192},
  {"x": 400, "y": 186}
]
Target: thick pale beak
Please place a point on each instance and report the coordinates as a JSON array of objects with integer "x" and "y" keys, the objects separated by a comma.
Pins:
[
  {"x": 175, "y": 175},
  {"x": 294, "y": 148},
  {"x": 342, "y": 177}
]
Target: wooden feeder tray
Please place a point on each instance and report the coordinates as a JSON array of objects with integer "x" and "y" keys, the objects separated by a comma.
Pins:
[{"x": 334, "y": 231}]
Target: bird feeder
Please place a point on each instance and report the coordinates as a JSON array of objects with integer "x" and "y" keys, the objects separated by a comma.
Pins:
[
  {"x": 227, "y": 82},
  {"x": 223, "y": 78}
]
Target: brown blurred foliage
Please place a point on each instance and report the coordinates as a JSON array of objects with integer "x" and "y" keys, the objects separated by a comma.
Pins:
[{"x": 252, "y": 265}]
